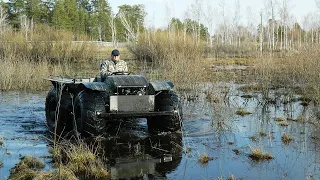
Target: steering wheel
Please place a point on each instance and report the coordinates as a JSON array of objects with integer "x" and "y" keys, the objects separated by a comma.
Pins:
[{"x": 120, "y": 73}]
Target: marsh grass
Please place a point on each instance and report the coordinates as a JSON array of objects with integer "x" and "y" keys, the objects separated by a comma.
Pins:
[
  {"x": 44, "y": 44},
  {"x": 286, "y": 138},
  {"x": 262, "y": 133},
  {"x": 279, "y": 119},
  {"x": 283, "y": 123},
  {"x": 232, "y": 177},
  {"x": 62, "y": 173},
  {"x": 253, "y": 138},
  {"x": 258, "y": 154},
  {"x": 294, "y": 71},
  {"x": 24, "y": 63},
  {"x": 222, "y": 111},
  {"x": 80, "y": 159},
  {"x": 204, "y": 159},
  {"x": 28, "y": 75},
  {"x": 242, "y": 112},
  {"x": 27, "y": 168},
  {"x": 175, "y": 55}
]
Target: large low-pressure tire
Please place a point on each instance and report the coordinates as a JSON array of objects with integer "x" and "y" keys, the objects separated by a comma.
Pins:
[
  {"x": 166, "y": 101},
  {"x": 87, "y": 105},
  {"x": 58, "y": 119}
]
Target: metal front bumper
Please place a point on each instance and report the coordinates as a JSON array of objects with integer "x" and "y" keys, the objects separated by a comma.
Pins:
[{"x": 136, "y": 114}]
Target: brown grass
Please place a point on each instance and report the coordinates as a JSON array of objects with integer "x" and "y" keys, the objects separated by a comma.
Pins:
[
  {"x": 176, "y": 57},
  {"x": 62, "y": 173},
  {"x": 279, "y": 119},
  {"x": 295, "y": 71},
  {"x": 27, "y": 168},
  {"x": 242, "y": 112},
  {"x": 286, "y": 138},
  {"x": 284, "y": 123},
  {"x": 80, "y": 159},
  {"x": 258, "y": 155},
  {"x": 26, "y": 61},
  {"x": 204, "y": 159},
  {"x": 27, "y": 75}
]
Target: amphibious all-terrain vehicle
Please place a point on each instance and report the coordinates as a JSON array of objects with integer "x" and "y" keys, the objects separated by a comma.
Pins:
[{"x": 90, "y": 105}]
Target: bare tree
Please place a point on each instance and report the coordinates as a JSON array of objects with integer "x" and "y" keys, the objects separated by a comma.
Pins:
[
  {"x": 284, "y": 15},
  {"x": 209, "y": 19},
  {"x": 113, "y": 31},
  {"x": 261, "y": 32},
  {"x": 223, "y": 25},
  {"x": 196, "y": 10},
  {"x": 4, "y": 26},
  {"x": 131, "y": 34},
  {"x": 251, "y": 27},
  {"x": 236, "y": 20},
  {"x": 25, "y": 25},
  {"x": 271, "y": 6}
]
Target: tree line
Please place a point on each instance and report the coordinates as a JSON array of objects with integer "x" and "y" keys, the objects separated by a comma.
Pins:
[
  {"x": 93, "y": 18},
  {"x": 274, "y": 28}
]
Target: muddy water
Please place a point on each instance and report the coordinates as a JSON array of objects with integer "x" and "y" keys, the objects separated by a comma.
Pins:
[{"x": 135, "y": 152}]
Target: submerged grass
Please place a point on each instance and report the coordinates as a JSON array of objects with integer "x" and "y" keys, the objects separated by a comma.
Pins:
[
  {"x": 286, "y": 138},
  {"x": 258, "y": 155},
  {"x": 279, "y": 119},
  {"x": 204, "y": 159},
  {"x": 242, "y": 112}
]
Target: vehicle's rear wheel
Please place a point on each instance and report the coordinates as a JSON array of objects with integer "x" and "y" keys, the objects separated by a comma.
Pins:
[
  {"x": 58, "y": 112},
  {"x": 166, "y": 101},
  {"x": 87, "y": 105}
]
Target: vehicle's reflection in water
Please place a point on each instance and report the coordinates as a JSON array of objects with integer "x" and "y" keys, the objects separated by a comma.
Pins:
[{"x": 137, "y": 153}]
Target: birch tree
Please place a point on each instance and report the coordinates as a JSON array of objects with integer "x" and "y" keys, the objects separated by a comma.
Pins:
[
  {"x": 236, "y": 20},
  {"x": 4, "y": 26},
  {"x": 271, "y": 6}
]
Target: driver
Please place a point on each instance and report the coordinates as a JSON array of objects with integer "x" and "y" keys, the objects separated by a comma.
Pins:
[{"x": 112, "y": 65}]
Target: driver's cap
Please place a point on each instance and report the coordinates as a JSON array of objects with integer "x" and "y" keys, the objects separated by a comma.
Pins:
[{"x": 115, "y": 52}]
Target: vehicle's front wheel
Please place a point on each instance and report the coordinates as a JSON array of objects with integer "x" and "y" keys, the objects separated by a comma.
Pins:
[
  {"x": 87, "y": 105},
  {"x": 166, "y": 101},
  {"x": 58, "y": 112}
]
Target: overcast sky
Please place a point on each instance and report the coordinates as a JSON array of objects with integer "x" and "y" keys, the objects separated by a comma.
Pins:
[{"x": 159, "y": 10}]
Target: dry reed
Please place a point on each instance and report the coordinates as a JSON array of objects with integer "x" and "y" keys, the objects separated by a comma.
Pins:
[
  {"x": 258, "y": 155},
  {"x": 80, "y": 159},
  {"x": 25, "y": 61},
  {"x": 175, "y": 56},
  {"x": 298, "y": 72}
]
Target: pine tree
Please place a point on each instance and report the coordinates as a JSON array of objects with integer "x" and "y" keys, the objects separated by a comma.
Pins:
[
  {"x": 16, "y": 8},
  {"x": 101, "y": 12}
]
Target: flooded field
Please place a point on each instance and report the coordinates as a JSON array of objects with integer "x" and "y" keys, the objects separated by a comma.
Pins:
[{"x": 215, "y": 142}]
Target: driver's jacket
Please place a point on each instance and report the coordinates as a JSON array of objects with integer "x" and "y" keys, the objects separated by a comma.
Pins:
[{"x": 109, "y": 66}]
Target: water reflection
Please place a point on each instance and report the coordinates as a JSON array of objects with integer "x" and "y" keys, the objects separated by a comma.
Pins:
[{"x": 132, "y": 156}]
